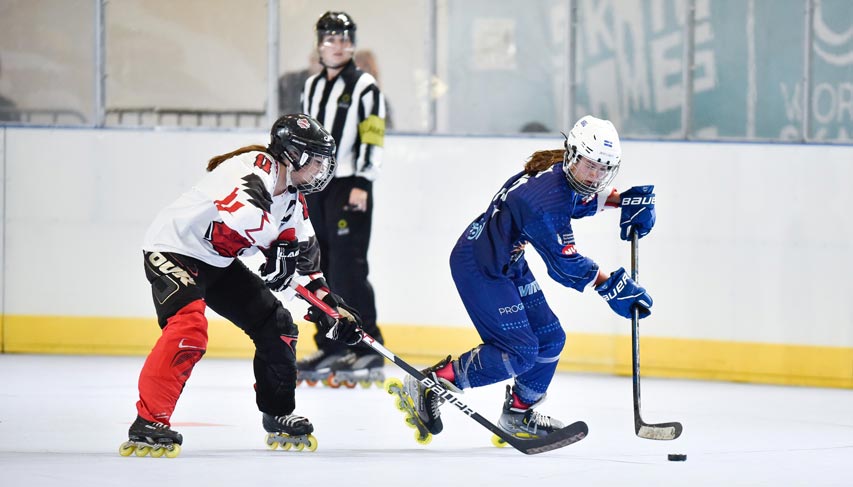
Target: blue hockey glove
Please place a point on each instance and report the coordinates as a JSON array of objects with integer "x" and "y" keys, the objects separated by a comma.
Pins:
[
  {"x": 622, "y": 294},
  {"x": 280, "y": 267},
  {"x": 638, "y": 211}
]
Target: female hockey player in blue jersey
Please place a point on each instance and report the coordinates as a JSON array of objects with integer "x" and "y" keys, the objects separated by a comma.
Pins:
[{"x": 522, "y": 338}]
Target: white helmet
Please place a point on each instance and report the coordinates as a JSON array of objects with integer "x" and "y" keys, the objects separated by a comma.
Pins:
[{"x": 593, "y": 154}]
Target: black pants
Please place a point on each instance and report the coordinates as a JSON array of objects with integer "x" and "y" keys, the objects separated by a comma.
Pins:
[
  {"x": 344, "y": 237},
  {"x": 241, "y": 297}
]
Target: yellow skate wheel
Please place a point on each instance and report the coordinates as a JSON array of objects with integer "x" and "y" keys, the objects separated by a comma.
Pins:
[
  {"x": 286, "y": 446},
  {"x": 391, "y": 384},
  {"x": 411, "y": 422},
  {"x": 173, "y": 451},
  {"x": 158, "y": 451},
  {"x": 271, "y": 444},
  {"x": 399, "y": 403},
  {"x": 299, "y": 446},
  {"x": 364, "y": 384},
  {"x": 498, "y": 441},
  {"x": 126, "y": 449},
  {"x": 312, "y": 443},
  {"x": 141, "y": 451},
  {"x": 379, "y": 382},
  {"x": 423, "y": 440}
]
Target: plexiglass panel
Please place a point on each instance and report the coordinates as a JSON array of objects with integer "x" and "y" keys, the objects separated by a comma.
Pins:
[
  {"x": 188, "y": 63},
  {"x": 502, "y": 66},
  {"x": 392, "y": 40},
  {"x": 831, "y": 108},
  {"x": 47, "y": 62},
  {"x": 630, "y": 58}
]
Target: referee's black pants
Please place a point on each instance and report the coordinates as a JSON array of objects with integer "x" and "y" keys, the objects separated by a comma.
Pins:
[{"x": 344, "y": 237}]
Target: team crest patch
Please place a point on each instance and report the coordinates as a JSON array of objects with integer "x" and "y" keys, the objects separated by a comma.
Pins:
[{"x": 302, "y": 122}]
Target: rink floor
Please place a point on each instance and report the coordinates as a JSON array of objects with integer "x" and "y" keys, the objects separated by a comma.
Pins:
[{"x": 62, "y": 419}]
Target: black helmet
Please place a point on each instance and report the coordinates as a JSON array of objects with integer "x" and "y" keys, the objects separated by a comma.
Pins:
[
  {"x": 335, "y": 23},
  {"x": 299, "y": 139}
]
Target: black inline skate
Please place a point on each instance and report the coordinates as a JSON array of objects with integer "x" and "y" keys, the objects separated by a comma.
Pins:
[
  {"x": 290, "y": 431},
  {"x": 522, "y": 421},
  {"x": 146, "y": 437},
  {"x": 357, "y": 367},
  {"x": 317, "y": 367}
]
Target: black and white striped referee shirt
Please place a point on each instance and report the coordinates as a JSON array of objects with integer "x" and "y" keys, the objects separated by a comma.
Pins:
[{"x": 352, "y": 109}]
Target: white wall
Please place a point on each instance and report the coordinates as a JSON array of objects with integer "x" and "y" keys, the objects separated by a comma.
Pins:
[{"x": 752, "y": 241}]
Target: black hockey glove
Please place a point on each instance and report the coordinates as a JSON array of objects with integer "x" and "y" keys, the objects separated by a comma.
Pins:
[
  {"x": 347, "y": 329},
  {"x": 280, "y": 267}
]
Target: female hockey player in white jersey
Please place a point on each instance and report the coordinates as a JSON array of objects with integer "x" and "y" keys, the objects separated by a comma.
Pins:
[
  {"x": 251, "y": 200},
  {"x": 522, "y": 338}
]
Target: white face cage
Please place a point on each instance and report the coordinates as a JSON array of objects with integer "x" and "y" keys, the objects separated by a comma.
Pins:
[
  {"x": 593, "y": 155},
  {"x": 313, "y": 172},
  {"x": 585, "y": 175}
]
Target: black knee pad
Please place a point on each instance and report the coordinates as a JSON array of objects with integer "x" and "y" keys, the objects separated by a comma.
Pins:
[{"x": 275, "y": 363}]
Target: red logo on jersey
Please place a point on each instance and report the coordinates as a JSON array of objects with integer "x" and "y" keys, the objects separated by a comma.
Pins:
[
  {"x": 228, "y": 204},
  {"x": 226, "y": 242},
  {"x": 262, "y": 162}
]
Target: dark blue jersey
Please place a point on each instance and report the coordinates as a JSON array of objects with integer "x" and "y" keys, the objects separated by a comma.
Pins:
[{"x": 535, "y": 209}]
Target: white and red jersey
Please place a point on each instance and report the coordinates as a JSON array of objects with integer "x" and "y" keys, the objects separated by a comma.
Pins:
[{"x": 232, "y": 212}]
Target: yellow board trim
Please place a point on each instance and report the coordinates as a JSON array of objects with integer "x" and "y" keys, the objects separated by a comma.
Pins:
[{"x": 584, "y": 352}]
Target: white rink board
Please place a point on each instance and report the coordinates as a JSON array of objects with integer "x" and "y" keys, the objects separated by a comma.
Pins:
[{"x": 753, "y": 242}]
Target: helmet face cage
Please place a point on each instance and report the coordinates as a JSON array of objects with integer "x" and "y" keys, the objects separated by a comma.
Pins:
[
  {"x": 308, "y": 147},
  {"x": 593, "y": 155},
  {"x": 322, "y": 166}
]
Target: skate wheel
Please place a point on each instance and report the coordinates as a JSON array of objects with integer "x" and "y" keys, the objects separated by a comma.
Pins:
[
  {"x": 271, "y": 443},
  {"x": 126, "y": 449},
  {"x": 349, "y": 385},
  {"x": 498, "y": 441},
  {"x": 399, "y": 404},
  {"x": 141, "y": 451},
  {"x": 332, "y": 382},
  {"x": 299, "y": 446},
  {"x": 392, "y": 385},
  {"x": 423, "y": 440},
  {"x": 312, "y": 443},
  {"x": 411, "y": 422},
  {"x": 379, "y": 382},
  {"x": 157, "y": 451},
  {"x": 364, "y": 384},
  {"x": 298, "y": 382},
  {"x": 173, "y": 451},
  {"x": 311, "y": 383},
  {"x": 286, "y": 446}
]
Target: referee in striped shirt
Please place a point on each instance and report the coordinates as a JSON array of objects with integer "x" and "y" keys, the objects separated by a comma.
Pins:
[{"x": 350, "y": 106}]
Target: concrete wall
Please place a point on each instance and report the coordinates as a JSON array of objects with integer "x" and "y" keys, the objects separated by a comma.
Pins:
[{"x": 749, "y": 263}]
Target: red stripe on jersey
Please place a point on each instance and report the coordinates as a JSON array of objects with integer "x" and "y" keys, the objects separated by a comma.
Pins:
[
  {"x": 264, "y": 220},
  {"x": 226, "y": 205}
]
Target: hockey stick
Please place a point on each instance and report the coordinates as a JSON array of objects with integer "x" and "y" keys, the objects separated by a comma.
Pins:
[
  {"x": 558, "y": 439},
  {"x": 660, "y": 431}
]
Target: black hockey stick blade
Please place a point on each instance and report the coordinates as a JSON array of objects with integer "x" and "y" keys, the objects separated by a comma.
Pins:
[
  {"x": 558, "y": 439},
  {"x": 572, "y": 433}
]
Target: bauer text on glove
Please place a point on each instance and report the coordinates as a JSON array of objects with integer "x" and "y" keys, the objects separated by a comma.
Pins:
[
  {"x": 622, "y": 294},
  {"x": 638, "y": 211}
]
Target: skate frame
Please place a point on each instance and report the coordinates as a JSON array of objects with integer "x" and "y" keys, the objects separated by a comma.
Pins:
[
  {"x": 660, "y": 431},
  {"x": 558, "y": 439}
]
